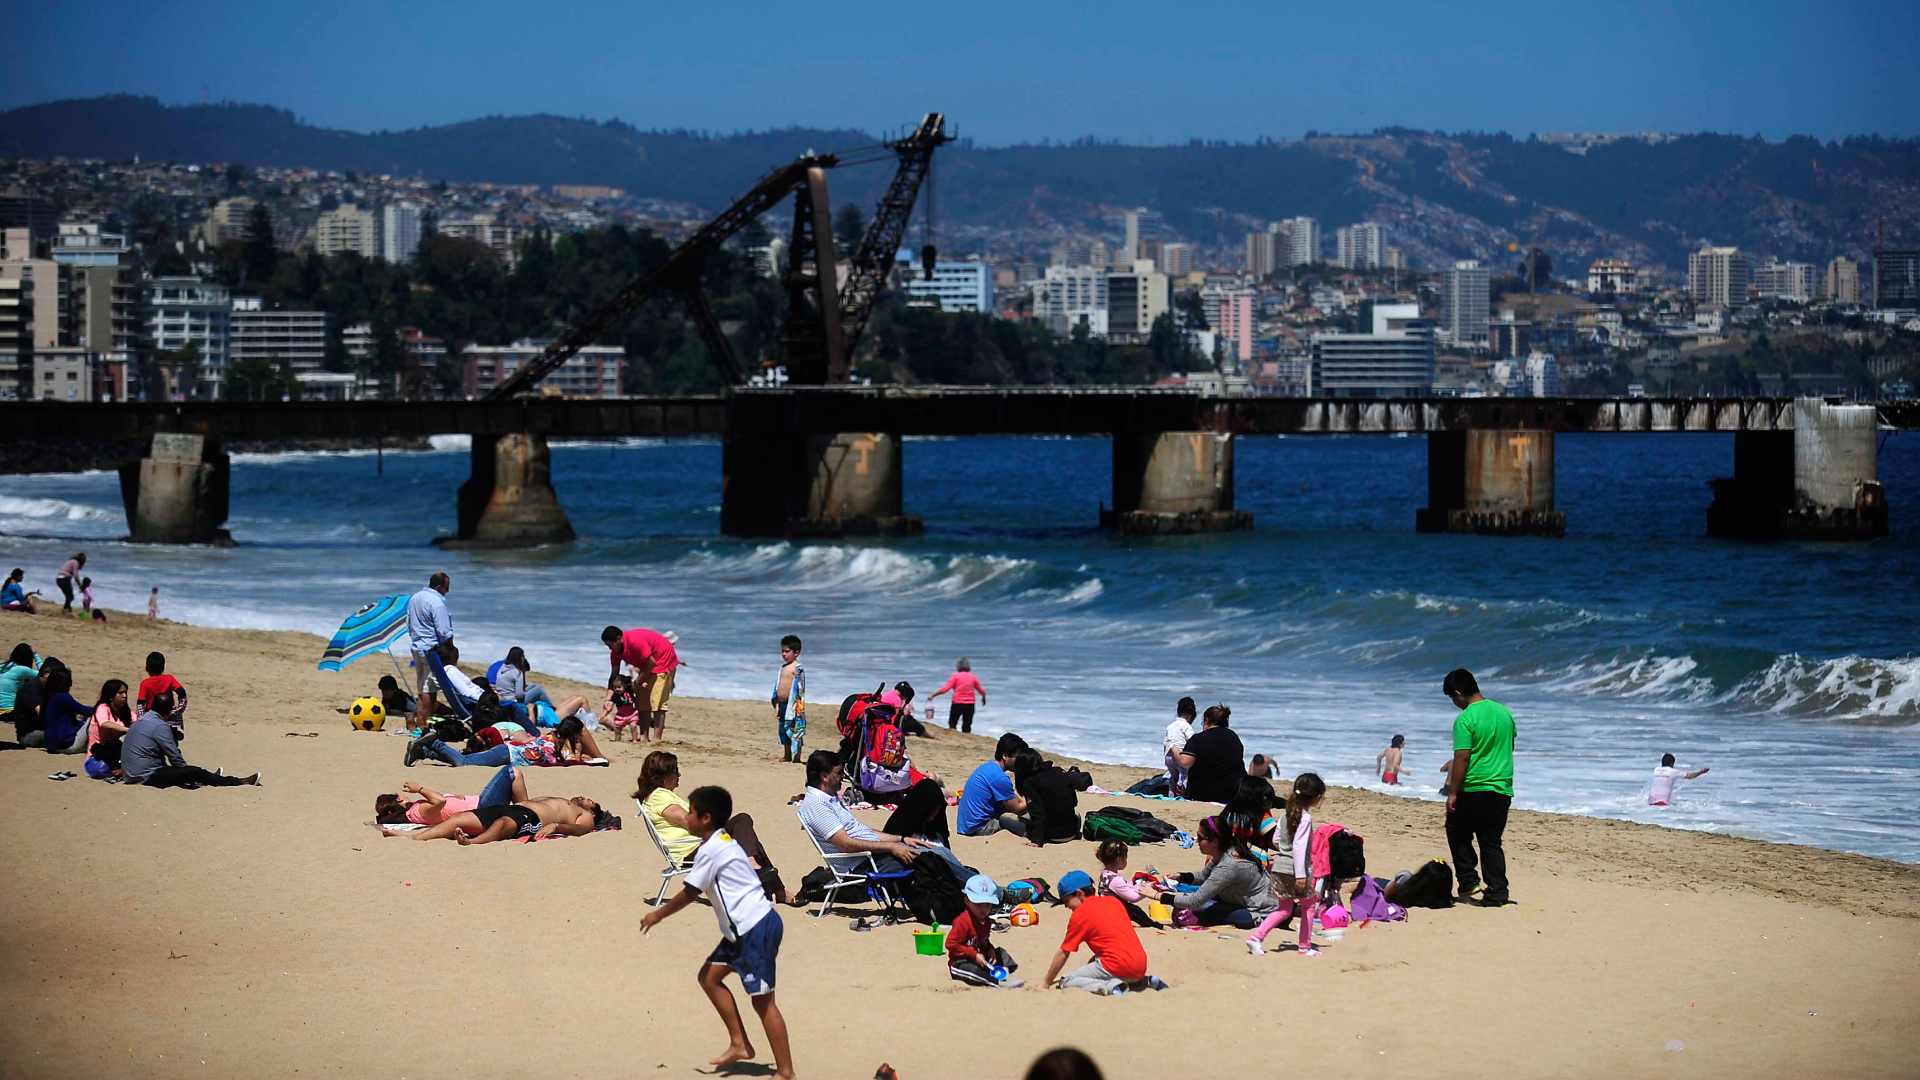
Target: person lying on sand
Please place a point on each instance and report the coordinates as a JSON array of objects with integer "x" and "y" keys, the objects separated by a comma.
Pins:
[
  {"x": 432, "y": 808},
  {"x": 534, "y": 818}
]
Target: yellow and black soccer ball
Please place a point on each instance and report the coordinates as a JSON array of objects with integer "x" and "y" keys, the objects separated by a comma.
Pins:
[{"x": 367, "y": 714}]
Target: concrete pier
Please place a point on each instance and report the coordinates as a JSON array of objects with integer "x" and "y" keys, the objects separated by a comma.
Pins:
[
  {"x": 1491, "y": 481},
  {"x": 177, "y": 494},
  {"x": 508, "y": 500},
  {"x": 847, "y": 484},
  {"x": 1173, "y": 482},
  {"x": 1819, "y": 481}
]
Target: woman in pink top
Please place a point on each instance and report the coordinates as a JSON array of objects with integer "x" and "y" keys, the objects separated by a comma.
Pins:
[
  {"x": 432, "y": 808},
  {"x": 965, "y": 688},
  {"x": 111, "y": 717}
]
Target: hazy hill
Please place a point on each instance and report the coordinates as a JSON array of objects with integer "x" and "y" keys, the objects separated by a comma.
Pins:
[{"x": 1442, "y": 196}]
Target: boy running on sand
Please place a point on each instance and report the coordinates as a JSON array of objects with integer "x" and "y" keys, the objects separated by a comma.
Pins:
[
  {"x": 790, "y": 700},
  {"x": 1387, "y": 762},
  {"x": 750, "y": 930}
]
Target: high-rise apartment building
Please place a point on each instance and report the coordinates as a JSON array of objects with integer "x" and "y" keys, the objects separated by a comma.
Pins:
[
  {"x": 347, "y": 228},
  {"x": 484, "y": 230},
  {"x": 593, "y": 372},
  {"x": 183, "y": 311},
  {"x": 1465, "y": 316},
  {"x": 1784, "y": 281},
  {"x": 1304, "y": 237},
  {"x": 1843, "y": 281},
  {"x": 1617, "y": 276},
  {"x": 1396, "y": 359},
  {"x": 1132, "y": 249},
  {"x": 1068, "y": 295},
  {"x": 1896, "y": 279},
  {"x": 1542, "y": 373},
  {"x": 1361, "y": 247},
  {"x": 227, "y": 220},
  {"x": 1229, "y": 312},
  {"x": 399, "y": 232},
  {"x": 1177, "y": 259},
  {"x": 1260, "y": 253},
  {"x": 1719, "y": 276},
  {"x": 957, "y": 285},
  {"x": 295, "y": 338},
  {"x": 1136, "y": 298}
]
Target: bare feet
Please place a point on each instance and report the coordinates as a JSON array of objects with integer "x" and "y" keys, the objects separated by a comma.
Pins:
[
  {"x": 462, "y": 838},
  {"x": 733, "y": 1053}
]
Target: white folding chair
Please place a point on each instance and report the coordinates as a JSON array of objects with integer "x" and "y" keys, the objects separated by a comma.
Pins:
[
  {"x": 675, "y": 867},
  {"x": 856, "y": 869}
]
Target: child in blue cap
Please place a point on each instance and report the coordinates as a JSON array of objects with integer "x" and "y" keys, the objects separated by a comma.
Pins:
[
  {"x": 971, "y": 955},
  {"x": 1101, "y": 924}
]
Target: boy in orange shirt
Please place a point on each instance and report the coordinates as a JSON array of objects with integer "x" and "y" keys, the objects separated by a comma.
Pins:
[{"x": 1101, "y": 923}]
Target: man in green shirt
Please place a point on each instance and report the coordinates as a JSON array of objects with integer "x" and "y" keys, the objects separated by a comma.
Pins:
[{"x": 1482, "y": 787}]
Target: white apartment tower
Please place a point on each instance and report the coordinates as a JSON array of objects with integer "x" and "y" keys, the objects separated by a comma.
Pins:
[
  {"x": 1843, "y": 281},
  {"x": 400, "y": 232},
  {"x": 1465, "y": 316},
  {"x": 347, "y": 228},
  {"x": 1361, "y": 247},
  {"x": 1305, "y": 235},
  {"x": 1719, "y": 275}
]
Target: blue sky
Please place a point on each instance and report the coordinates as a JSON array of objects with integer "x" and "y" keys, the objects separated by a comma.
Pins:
[{"x": 1004, "y": 73}]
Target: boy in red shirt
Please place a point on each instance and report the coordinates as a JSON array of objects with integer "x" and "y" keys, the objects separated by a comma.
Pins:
[
  {"x": 971, "y": 955},
  {"x": 1101, "y": 923},
  {"x": 158, "y": 680}
]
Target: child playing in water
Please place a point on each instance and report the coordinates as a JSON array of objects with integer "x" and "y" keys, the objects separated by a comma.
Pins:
[
  {"x": 790, "y": 701},
  {"x": 1308, "y": 790},
  {"x": 749, "y": 927},
  {"x": 622, "y": 710},
  {"x": 86, "y": 596},
  {"x": 153, "y": 603},
  {"x": 1387, "y": 762},
  {"x": 1114, "y": 882}
]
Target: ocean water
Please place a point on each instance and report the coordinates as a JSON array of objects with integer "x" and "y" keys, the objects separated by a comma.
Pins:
[{"x": 1790, "y": 669}]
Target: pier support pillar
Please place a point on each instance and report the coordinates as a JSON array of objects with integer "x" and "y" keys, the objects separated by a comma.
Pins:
[
  {"x": 813, "y": 486},
  {"x": 508, "y": 500},
  {"x": 1818, "y": 482},
  {"x": 177, "y": 494},
  {"x": 1173, "y": 482},
  {"x": 1490, "y": 481}
]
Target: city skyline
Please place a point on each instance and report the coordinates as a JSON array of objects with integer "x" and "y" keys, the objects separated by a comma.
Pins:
[{"x": 1773, "y": 69}]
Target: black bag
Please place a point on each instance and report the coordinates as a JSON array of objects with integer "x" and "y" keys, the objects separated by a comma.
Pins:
[
  {"x": 452, "y": 731},
  {"x": 1152, "y": 829},
  {"x": 932, "y": 893},
  {"x": 1431, "y": 886},
  {"x": 1346, "y": 856}
]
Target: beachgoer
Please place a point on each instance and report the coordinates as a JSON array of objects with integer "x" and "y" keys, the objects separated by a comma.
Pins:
[
  {"x": 1261, "y": 766},
  {"x": 68, "y": 577},
  {"x": 432, "y": 808},
  {"x": 750, "y": 930},
  {"x": 14, "y": 595},
  {"x": 1101, "y": 924},
  {"x": 1063, "y": 1063},
  {"x": 396, "y": 701},
  {"x": 512, "y": 683},
  {"x": 1176, "y": 740},
  {"x": 621, "y": 710},
  {"x": 429, "y": 626},
  {"x": 654, "y": 661},
  {"x": 158, "y": 680},
  {"x": 667, "y": 811},
  {"x": 1233, "y": 886},
  {"x": 150, "y": 753},
  {"x": 1386, "y": 764},
  {"x": 965, "y": 687},
  {"x": 988, "y": 801},
  {"x": 1302, "y": 895},
  {"x": 835, "y": 827},
  {"x": 1665, "y": 776},
  {"x": 29, "y": 695},
  {"x": 86, "y": 595},
  {"x": 153, "y": 603},
  {"x": 535, "y": 818},
  {"x": 1248, "y": 816},
  {"x": 568, "y": 744},
  {"x": 1214, "y": 758},
  {"x": 64, "y": 718},
  {"x": 112, "y": 718},
  {"x": 909, "y": 724},
  {"x": 972, "y": 957},
  {"x": 20, "y": 668},
  {"x": 790, "y": 700},
  {"x": 1114, "y": 882},
  {"x": 1482, "y": 787},
  {"x": 884, "y": 774},
  {"x": 1052, "y": 802}
]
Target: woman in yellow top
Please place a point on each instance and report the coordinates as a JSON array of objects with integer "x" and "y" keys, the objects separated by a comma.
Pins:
[{"x": 666, "y": 811}]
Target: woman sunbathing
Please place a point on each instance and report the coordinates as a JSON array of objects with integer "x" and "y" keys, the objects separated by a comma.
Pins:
[
  {"x": 535, "y": 818},
  {"x": 569, "y": 744},
  {"x": 432, "y": 808}
]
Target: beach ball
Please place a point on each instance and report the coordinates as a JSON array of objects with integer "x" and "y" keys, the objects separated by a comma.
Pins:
[
  {"x": 367, "y": 714},
  {"x": 1024, "y": 915}
]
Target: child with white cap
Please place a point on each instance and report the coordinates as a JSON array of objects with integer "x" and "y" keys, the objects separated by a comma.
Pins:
[{"x": 971, "y": 955}]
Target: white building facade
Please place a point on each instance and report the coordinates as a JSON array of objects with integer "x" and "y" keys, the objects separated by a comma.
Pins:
[
  {"x": 183, "y": 311},
  {"x": 1361, "y": 247},
  {"x": 1395, "y": 360},
  {"x": 957, "y": 285},
  {"x": 1465, "y": 317},
  {"x": 399, "y": 232}
]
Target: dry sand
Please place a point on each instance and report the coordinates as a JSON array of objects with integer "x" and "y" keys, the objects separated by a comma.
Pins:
[{"x": 270, "y": 932}]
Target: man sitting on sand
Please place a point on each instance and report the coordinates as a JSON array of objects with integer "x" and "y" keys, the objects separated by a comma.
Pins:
[
  {"x": 988, "y": 802},
  {"x": 150, "y": 753},
  {"x": 534, "y": 818}
]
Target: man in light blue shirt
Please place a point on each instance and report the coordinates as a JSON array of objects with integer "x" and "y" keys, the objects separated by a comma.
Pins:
[{"x": 429, "y": 625}]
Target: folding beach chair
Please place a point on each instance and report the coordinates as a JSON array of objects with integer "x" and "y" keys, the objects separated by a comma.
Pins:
[
  {"x": 438, "y": 669},
  {"x": 858, "y": 869},
  {"x": 675, "y": 867}
]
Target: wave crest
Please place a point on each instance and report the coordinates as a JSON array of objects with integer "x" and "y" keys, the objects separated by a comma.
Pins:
[{"x": 47, "y": 508}]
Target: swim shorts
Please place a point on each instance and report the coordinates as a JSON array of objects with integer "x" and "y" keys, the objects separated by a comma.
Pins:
[
  {"x": 752, "y": 956},
  {"x": 528, "y": 821}
]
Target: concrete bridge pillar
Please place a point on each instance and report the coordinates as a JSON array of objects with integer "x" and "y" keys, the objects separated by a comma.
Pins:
[
  {"x": 1492, "y": 481},
  {"x": 1173, "y": 482},
  {"x": 847, "y": 484},
  {"x": 508, "y": 500},
  {"x": 177, "y": 494},
  {"x": 1818, "y": 482}
]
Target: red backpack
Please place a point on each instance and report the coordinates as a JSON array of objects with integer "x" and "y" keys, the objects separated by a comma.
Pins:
[{"x": 889, "y": 748}]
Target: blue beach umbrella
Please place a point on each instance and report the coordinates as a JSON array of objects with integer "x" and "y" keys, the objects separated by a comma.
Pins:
[{"x": 367, "y": 631}]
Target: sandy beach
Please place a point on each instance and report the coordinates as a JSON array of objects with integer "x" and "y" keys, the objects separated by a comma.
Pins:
[{"x": 265, "y": 932}]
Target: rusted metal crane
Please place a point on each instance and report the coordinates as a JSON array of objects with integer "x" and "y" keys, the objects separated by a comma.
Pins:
[{"x": 823, "y": 323}]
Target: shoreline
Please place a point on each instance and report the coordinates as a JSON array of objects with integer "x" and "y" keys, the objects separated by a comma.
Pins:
[{"x": 252, "y": 931}]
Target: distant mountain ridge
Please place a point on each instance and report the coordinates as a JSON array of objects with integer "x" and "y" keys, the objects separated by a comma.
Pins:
[{"x": 1441, "y": 196}]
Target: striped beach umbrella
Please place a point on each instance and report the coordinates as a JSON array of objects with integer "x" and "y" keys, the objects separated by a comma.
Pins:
[{"x": 367, "y": 631}]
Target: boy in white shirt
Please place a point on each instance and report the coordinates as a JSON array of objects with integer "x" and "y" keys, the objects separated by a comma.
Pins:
[
  {"x": 1664, "y": 777},
  {"x": 749, "y": 927}
]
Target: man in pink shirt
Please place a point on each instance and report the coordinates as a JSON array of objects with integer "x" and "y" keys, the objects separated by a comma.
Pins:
[
  {"x": 652, "y": 657},
  {"x": 965, "y": 689}
]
